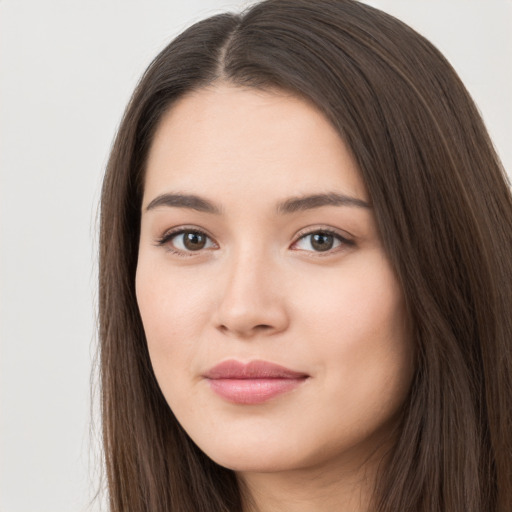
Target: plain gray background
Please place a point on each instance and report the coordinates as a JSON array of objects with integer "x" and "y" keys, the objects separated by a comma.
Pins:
[{"x": 67, "y": 69}]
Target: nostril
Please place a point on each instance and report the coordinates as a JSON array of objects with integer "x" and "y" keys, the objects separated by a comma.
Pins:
[
  {"x": 248, "y": 314},
  {"x": 263, "y": 327},
  {"x": 260, "y": 328}
]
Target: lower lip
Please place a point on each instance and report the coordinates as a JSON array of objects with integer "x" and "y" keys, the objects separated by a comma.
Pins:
[{"x": 253, "y": 391}]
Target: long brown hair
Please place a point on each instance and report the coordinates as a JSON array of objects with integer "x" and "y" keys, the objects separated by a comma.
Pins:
[{"x": 444, "y": 211}]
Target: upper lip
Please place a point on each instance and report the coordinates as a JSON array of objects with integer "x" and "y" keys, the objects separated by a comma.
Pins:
[{"x": 256, "y": 369}]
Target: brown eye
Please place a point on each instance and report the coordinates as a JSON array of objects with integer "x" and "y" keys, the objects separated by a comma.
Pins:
[
  {"x": 194, "y": 241},
  {"x": 322, "y": 241},
  {"x": 186, "y": 241}
]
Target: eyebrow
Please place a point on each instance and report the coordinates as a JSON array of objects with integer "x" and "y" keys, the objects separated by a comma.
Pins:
[
  {"x": 190, "y": 201},
  {"x": 294, "y": 204}
]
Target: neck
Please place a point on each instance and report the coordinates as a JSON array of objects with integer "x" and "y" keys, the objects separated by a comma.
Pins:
[{"x": 309, "y": 490}]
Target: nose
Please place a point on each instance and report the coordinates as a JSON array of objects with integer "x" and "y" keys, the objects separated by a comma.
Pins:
[{"x": 252, "y": 300}]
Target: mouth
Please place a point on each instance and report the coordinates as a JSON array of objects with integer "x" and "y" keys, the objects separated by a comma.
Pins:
[{"x": 252, "y": 383}]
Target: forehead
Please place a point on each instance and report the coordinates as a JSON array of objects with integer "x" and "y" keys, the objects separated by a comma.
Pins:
[{"x": 231, "y": 140}]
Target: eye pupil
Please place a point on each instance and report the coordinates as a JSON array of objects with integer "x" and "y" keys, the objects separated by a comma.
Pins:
[
  {"x": 194, "y": 241},
  {"x": 322, "y": 241}
]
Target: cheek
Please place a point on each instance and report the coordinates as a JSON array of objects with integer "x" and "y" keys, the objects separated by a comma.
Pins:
[
  {"x": 170, "y": 298},
  {"x": 363, "y": 340},
  {"x": 174, "y": 310},
  {"x": 358, "y": 304}
]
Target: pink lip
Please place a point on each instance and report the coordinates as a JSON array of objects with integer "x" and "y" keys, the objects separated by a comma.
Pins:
[{"x": 252, "y": 383}]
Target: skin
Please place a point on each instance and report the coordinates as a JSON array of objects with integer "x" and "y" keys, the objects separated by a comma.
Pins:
[{"x": 259, "y": 289}]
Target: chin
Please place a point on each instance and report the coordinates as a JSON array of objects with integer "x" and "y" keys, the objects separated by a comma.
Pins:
[{"x": 258, "y": 457}]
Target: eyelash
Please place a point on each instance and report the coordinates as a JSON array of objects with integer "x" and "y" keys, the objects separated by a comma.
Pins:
[
  {"x": 343, "y": 241},
  {"x": 170, "y": 235},
  {"x": 167, "y": 237}
]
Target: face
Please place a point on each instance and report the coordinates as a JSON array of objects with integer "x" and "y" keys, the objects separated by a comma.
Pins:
[{"x": 275, "y": 324}]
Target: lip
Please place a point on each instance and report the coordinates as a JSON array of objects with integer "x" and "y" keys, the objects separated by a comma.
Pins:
[{"x": 252, "y": 383}]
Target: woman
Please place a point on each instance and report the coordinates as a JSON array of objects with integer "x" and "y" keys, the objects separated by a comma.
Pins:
[{"x": 305, "y": 274}]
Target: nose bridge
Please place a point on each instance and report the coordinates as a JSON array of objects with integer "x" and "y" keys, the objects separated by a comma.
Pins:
[
  {"x": 248, "y": 275},
  {"x": 252, "y": 299}
]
